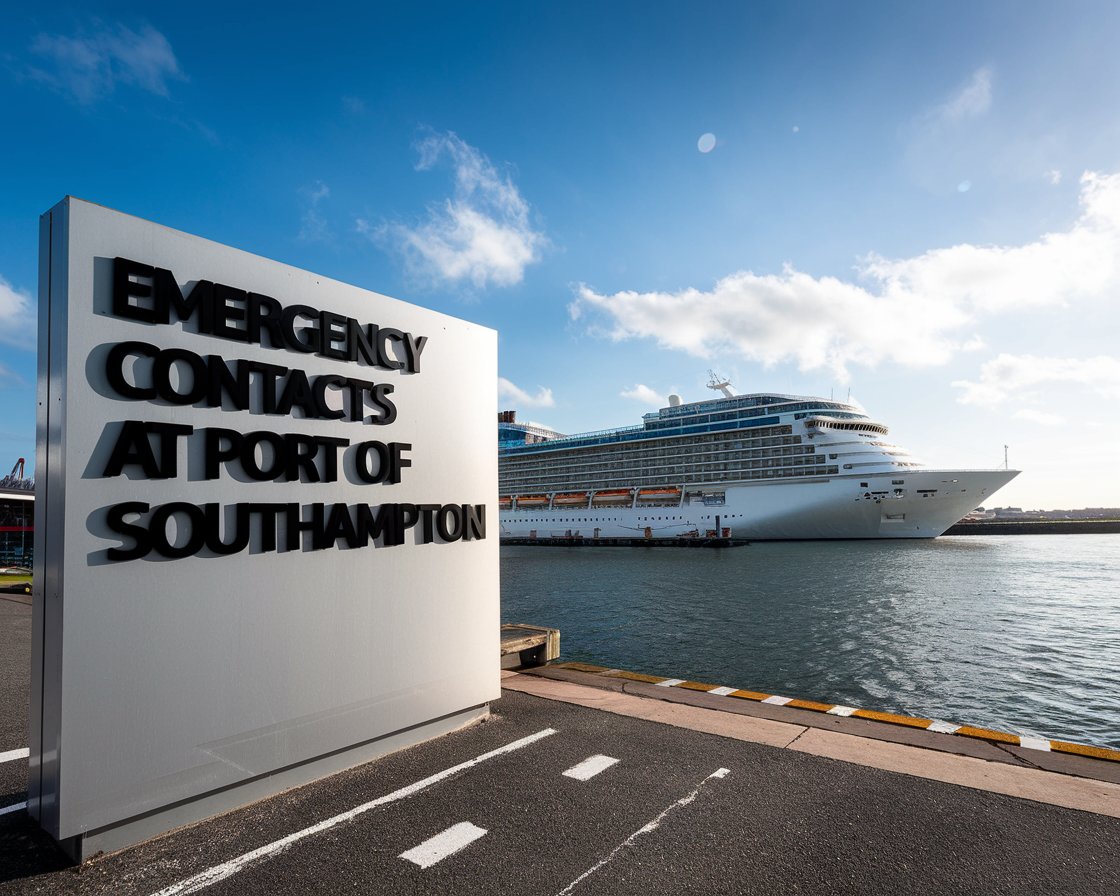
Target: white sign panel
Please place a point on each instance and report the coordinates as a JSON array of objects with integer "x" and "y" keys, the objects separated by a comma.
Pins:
[{"x": 264, "y": 543}]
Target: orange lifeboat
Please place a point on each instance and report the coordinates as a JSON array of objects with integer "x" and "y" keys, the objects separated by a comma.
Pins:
[
  {"x": 659, "y": 494},
  {"x": 613, "y": 496},
  {"x": 570, "y": 499},
  {"x": 532, "y": 500},
  {"x": 505, "y": 502}
]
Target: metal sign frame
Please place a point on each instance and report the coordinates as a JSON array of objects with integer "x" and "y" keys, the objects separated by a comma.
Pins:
[{"x": 261, "y": 546}]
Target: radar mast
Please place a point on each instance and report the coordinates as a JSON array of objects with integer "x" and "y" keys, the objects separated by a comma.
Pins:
[{"x": 720, "y": 384}]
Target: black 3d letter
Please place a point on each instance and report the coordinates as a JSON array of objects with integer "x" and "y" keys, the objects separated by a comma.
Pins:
[{"x": 134, "y": 446}]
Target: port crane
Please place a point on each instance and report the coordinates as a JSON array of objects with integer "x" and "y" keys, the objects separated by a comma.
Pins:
[{"x": 16, "y": 479}]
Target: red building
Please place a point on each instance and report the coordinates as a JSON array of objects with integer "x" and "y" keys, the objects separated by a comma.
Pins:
[{"x": 17, "y": 521}]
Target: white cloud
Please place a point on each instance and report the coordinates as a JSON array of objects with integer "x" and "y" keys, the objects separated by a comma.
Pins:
[
  {"x": 313, "y": 226},
  {"x": 820, "y": 323},
  {"x": 317, "y": 192},
  {"x": 1041, "y": 417},
  {"x": 1057, "y": 267},
  {"x": 1012, "y": 377},
  {"x": 17, "y": 317},
  {"x": 90, "y": 66},
  {"x": 6, "y": 375},
  {"x": 970, "y": 101},
  {"x": 1054, "y": 176},
  {"x": 508, "y": 392},
  {"x": 482, "y": 235},
  {"x": 948, "y": 145},
  {"x": 645, "y": 395},
  {"x": 915, "y": 312}
]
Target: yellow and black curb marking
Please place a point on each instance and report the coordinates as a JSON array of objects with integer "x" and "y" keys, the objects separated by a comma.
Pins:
[{"x": 890, "y": 718}]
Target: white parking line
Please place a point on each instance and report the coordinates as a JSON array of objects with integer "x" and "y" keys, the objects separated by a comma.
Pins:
[
  {"x": 12, "y": 755},
  {"x": 437, "y": 848},
  {"x": 15, "y": 807},
  {"x": 645, "y": 829},
  {"x": 590, "y": 767},
  {"x": 233, "y": 866}
]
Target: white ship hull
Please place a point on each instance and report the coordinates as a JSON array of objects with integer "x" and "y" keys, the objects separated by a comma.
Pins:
[
  {"x": 848, "y": 506},
  {"x": 759, "y": 467}
]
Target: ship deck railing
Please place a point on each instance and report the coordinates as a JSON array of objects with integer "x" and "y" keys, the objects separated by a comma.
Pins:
[{"x": 631, "y": 434}]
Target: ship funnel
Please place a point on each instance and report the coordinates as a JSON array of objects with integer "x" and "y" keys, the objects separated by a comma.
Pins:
[{"x": 674, "y": 401}]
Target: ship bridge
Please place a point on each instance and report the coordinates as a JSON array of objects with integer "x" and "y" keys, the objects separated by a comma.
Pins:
[{"x": 859, "y": 425}]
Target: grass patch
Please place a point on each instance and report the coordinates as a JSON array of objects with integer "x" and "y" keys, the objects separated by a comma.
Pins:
[{"x": 16, "y": 578}]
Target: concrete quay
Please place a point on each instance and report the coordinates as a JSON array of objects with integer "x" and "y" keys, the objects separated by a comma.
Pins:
[
  {"x": 1035, "y": 527},
  {"x": 587, "y": 782}
]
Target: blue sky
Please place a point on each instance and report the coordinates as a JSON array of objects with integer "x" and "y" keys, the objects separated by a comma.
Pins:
[{"x": 917, "y": 206}]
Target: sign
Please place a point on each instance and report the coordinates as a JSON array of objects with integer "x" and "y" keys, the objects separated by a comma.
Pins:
[{"x": 262, "y": 548}]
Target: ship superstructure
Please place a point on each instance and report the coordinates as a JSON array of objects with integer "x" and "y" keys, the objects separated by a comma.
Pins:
[{"x": 761, "y": 466}]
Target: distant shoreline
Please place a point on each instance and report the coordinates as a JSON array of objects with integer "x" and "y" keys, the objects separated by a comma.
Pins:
[{"x": 1036, "y": 527}]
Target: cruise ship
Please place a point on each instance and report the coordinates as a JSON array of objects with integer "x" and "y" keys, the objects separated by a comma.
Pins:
[{"x": 756, "y": 467}]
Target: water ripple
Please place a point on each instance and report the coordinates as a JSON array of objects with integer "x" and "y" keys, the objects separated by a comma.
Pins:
[{"x": 1020, "y": 633}]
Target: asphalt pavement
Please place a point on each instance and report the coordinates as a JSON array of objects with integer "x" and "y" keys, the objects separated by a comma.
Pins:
[{"x": 552, "y": 796}]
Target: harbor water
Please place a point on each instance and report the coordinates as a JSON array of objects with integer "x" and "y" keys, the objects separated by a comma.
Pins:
[{"x": 1017, "y": 633}]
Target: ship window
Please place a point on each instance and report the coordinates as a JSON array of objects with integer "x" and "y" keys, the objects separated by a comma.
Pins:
[{"x": 862, "y": 484}]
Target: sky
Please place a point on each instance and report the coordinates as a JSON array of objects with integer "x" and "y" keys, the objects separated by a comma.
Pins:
[{"x": 914, "y": 205}]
